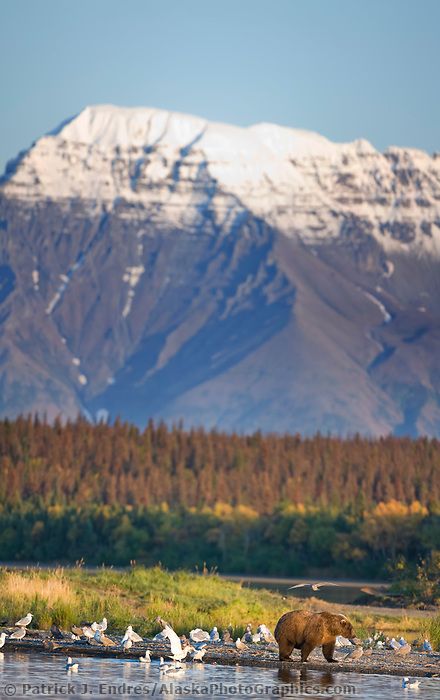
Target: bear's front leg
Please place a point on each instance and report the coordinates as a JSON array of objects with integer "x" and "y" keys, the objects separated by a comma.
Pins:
[
  {"x": 327, "y": 650},
  {"x": 285, "y": 648}
]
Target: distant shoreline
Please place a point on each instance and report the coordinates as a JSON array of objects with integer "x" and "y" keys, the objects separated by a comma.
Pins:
[
  {"x": 292, "y": 580},
  {"x": 245, "y": 578}
]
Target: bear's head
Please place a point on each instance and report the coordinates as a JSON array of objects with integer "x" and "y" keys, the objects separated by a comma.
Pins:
[{"x": 346, "y": 628}]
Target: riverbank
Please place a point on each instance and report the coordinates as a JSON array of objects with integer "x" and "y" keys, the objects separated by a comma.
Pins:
[
  {"x": 385, "y": 662},
  {"x": 137, "y": 596}
]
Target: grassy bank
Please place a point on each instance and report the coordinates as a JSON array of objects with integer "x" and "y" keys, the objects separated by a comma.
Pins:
[
  {"x": 187, "y": 600},
  {"x": 134, "y": 597}
]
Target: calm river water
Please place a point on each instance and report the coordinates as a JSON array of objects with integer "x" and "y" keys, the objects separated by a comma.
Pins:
[{"x": 41, "y": 675}]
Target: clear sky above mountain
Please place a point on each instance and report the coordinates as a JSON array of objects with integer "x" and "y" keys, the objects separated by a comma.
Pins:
[{"x": 344, "y": 68}]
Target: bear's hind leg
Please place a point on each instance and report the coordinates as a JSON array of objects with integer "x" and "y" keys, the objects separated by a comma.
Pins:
[
  {"x": 286, "y": 649},
  {"x": 327, "y": 650},
  {"x": 305, "y": 650}
]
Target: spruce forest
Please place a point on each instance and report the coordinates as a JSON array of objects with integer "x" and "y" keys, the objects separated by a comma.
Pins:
[{"x": 263, "y": 504}]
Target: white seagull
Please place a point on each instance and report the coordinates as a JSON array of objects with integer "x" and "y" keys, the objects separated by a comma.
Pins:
[
  {"x": 101, "y": 638},
  {"x": 169, "y": 667},
  {"x": 131, "y": 635},
  {"x": 18, "y": 634},
  {"x": 407, "y": 683},
  {"x": 199, "y": 635},
  {"x": 126, "y": 644},
  {"x": 265, "y": 633},
  {"x": 394, "y": 644},
  {"x": 145, "y": 659},
  {"x": 101, "y": 626},
  {"x": 24, "y": 622},
  {"x": 2, "y": 639},
  {"x": 239, "y": 644},
  {"x": 214, "y": 635},
  {"x": 177, "y": 653},
  {"x": 70, "y": 665},
  {"x": 314, "y": 586}
]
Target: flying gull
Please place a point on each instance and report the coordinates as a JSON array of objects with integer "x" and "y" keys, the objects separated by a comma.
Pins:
[
  {"x": 314, "y": 586},
  {"x": 177, "y": 653}
]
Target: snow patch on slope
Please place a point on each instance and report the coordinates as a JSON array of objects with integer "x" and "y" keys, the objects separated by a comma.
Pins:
[
  {"x": 132, "y": 276},
  {"x": 387, "y": 317},
  {"x": 36, "y": 280}
]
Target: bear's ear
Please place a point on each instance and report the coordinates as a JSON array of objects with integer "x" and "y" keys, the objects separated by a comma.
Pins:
[{"x": 344, "y": 623}]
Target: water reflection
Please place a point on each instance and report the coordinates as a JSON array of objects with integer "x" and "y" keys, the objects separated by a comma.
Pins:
[{"x": 29, "y": 673}]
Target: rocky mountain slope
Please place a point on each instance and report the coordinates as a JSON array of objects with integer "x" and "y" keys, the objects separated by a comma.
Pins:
[{"x": 155, "y": 264}]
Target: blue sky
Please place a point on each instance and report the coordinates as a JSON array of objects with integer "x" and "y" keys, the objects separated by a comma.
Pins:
[{"x": 345, "y": 68}]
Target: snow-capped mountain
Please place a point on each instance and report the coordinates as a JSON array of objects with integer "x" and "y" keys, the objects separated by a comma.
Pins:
[{"x": 154, "y": 263}]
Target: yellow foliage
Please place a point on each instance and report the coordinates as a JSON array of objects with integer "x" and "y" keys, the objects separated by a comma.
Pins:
[
  {"x": 396, "y": 509},
  {"x": 296, "y": 509},
  {"x": 246, "y": 512},
  {"x": 225, "y": 511},
  {"x": 416, "y": 508}
]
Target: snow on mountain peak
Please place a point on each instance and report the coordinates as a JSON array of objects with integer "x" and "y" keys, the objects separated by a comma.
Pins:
[
  {"x": 109, "y": 127},
  {"x": 177, "y": 164},
  {"x": 283, "y": 141}
]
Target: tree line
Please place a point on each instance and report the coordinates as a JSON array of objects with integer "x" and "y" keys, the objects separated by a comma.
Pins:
[
  {"x": 79, "y": 463},
  {"x": 273, "y": 504},
  {"x": 390, "y": 540}
]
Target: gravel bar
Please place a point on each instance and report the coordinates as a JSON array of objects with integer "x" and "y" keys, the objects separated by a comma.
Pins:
[{"x": 266, "y": 656}]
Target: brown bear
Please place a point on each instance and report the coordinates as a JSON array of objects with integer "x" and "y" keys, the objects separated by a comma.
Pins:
[{"x": 304, "y": 630}]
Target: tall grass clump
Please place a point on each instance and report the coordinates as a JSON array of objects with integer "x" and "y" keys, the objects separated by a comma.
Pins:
[
  {"x": 48, "y": 595},
  {"x": 434, "y": 632}
]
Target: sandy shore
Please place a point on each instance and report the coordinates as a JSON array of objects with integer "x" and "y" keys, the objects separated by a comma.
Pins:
[{"x": 265, "y": 656}]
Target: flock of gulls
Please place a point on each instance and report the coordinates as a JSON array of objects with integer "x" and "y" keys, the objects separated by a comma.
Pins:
[
  {"x": 193, "y": 649},
  {"x": 181, "y": 648}
]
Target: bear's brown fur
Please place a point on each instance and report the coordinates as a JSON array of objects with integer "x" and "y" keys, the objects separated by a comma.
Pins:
[{"x": 306, "y": 630}]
